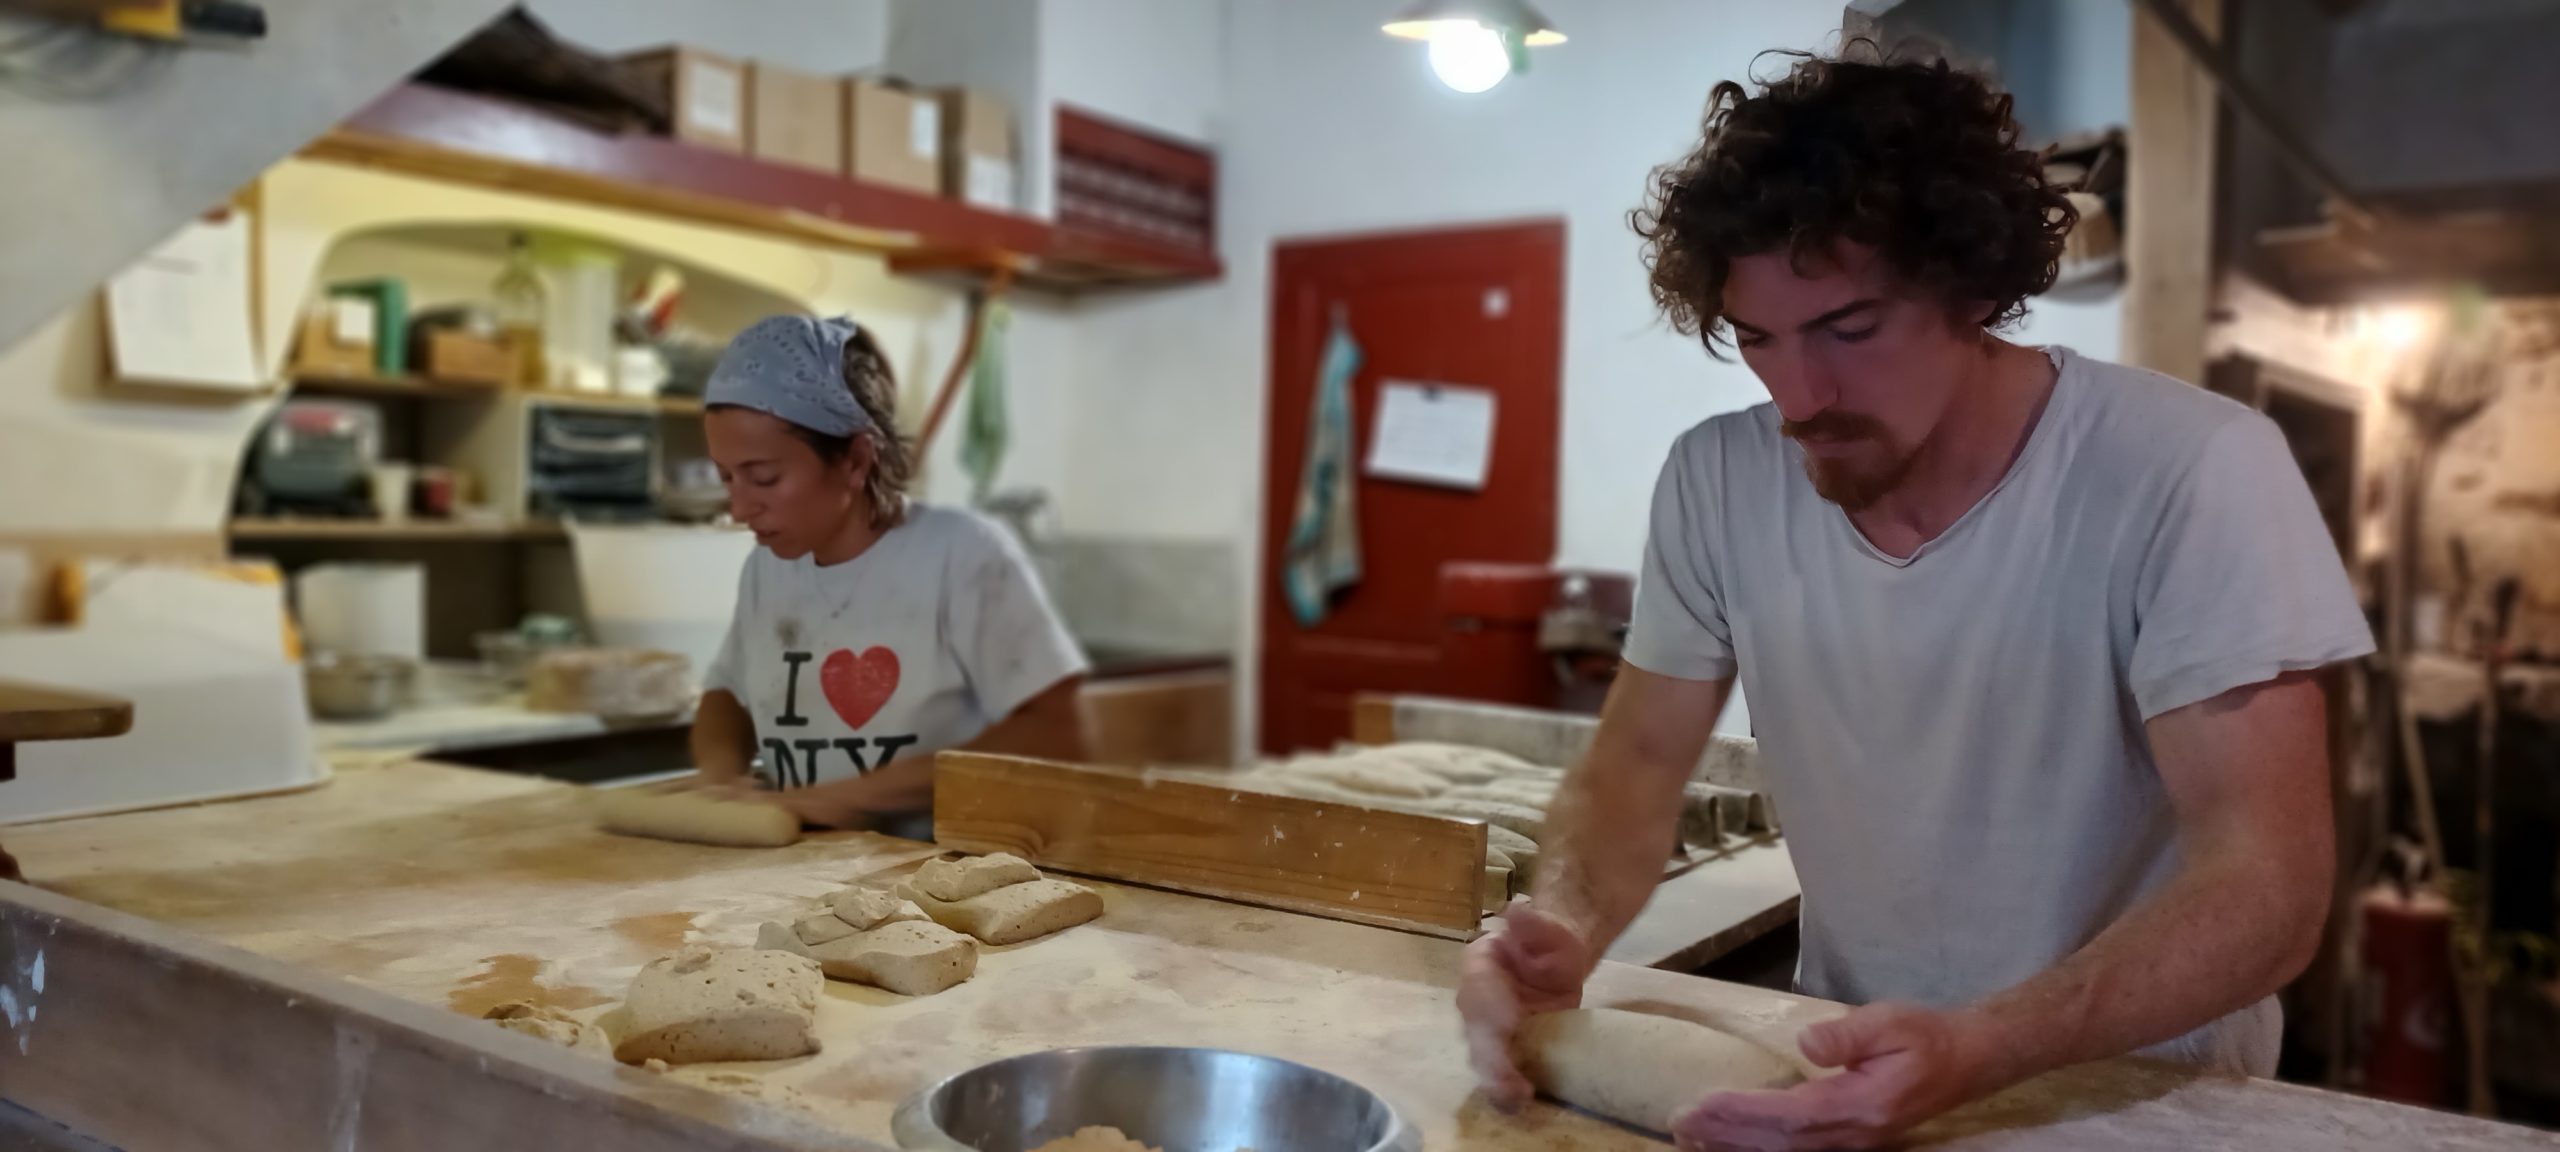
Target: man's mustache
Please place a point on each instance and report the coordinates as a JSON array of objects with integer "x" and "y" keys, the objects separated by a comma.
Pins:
[{"x": 1834, "y": 426}]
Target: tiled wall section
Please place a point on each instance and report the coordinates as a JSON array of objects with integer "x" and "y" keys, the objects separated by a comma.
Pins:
[{"x": 1155, "y": 595}]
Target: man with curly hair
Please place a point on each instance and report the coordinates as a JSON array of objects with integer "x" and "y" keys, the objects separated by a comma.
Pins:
[{"x": 2027, "y": 637}]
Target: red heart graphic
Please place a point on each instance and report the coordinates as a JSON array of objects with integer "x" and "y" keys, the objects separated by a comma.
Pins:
[{"x": 858, "y": 685}]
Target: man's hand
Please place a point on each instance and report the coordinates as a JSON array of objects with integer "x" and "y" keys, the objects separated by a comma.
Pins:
[
  {"x": 1529, "y": 964},
  {"x": 1904, "y": 1064}
]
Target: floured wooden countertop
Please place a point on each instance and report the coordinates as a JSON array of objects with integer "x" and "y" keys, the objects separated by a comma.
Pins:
[{"x": 468, "y": 889}]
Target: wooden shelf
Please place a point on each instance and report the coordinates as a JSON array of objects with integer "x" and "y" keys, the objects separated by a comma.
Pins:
[
  {"x": 472, "y": 139},
  {"x": 418, "y": 386},
  {"x": 421, "y": 388},
  {"x": 266, "y": 528}
]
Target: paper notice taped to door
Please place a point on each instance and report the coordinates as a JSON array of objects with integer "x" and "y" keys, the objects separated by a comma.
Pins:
[{"x": 1439, "y": 434}]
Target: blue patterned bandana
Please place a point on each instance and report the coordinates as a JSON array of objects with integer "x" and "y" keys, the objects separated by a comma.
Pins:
[{"x": 791, "y": 368}]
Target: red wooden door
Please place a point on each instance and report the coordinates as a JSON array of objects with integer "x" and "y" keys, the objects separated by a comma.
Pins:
[{"x": 1481, "y": 307}]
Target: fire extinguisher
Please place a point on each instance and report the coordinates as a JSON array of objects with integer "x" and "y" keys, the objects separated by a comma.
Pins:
[{"x": 2408, "y": 991}]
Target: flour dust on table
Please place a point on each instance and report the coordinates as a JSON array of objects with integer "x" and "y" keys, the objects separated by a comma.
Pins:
[{"x": 926, "y": 639}]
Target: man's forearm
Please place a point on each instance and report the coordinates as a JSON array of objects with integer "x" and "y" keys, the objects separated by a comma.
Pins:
[
  {"x": 1601, "y": 860},
  {"x": 1613, "y": 821},
  {"x": 2222, "y": 934}
]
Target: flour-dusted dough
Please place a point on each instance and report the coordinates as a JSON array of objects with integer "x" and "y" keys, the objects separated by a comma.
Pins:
[
  {"x": 821, "y": 928},
  {"x": 908, "y": 957},
  {"x": 546, "y": 1023},
  {"x": 1015, "y": 913},
  {"x": 1325, "y": 791},
  {"x": 955, "y": 880},
  {"x": 702, "y": 1004},
  {"x": 1369, "y": 776},
  {"x": 871, "y": 907},
  {"x": 1095, "y": 1139},
  {"x": 1526, "y": 793},
  {"x": 696, "y": 818},
  {"x": 1520, "y": 818},
  {"x": 1640, "y": 1069}
]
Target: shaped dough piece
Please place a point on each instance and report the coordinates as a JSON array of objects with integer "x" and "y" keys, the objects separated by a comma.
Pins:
[
  {"x": 696, "y": 818},
  {"x": 552, "y": 1024},
  {"x": 702, "y": 1004},
  {"x": 1511, "y": 843},
  {"x": 820, "y": 928},
  {"x": 871, "y": 907},
  {"x": 956, "y": 880},
  {"x": 1527, "y": 793},
  {"x": 1519, "y": 818},
  {"x": 1450, "y": 762},
  {"x": 1013, "y": 914},
  {"x": 1372, "y": 776},
  {"x": 908, "y": 957},
  {"x": 1309, "y": 788},
  {"x": 1640, "y": 1069}
]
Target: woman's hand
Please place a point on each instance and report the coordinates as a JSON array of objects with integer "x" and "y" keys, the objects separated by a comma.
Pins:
[
  {"x": 845, "y": 804},
  {"x": 1532, "y": 963}
]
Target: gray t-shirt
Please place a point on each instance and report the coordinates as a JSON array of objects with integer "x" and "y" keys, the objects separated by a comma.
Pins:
[
  {"x": 1955, "y": 740},
  {"x": 935, "y": 633}
]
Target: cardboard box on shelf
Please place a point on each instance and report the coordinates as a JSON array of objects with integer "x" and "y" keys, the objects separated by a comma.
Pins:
[
  {"x": 892, "y": 135},
  {"x": 336, "y": 338},
  {"x": 706, "y": 94},
  {"x": 795, "y": 118},
  {"x": 977, "y": 148},
  {"x": 458, "y": 357}
]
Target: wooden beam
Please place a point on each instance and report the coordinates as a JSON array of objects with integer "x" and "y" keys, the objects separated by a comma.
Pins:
[
  {"x": 2169, "y": 199},
  {"x": 140, "y": 1036},
  {"x": 1368, "y": 866}
]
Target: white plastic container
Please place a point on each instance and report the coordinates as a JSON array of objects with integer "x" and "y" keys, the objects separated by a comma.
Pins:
[
  {"x": 210, "y": 720},
  {"x": 577, "y": 330},
  {"x": 665, "y": 586},
  {"x": 364, "y": 609}
]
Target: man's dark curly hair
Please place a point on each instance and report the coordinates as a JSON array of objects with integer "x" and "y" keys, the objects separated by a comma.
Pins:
[{"x": 1915, "y": 159}]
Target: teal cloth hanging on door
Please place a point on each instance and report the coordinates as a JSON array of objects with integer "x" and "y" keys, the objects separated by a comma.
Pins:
[
  {"x": 1323, "y": 554},
  {"x": 986, "y": 429}
]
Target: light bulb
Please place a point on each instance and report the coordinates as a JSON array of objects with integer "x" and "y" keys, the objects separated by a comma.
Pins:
[{"x": 1468, "y": 56}]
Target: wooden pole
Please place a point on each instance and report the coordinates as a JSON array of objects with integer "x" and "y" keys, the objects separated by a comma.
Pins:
[{"x": 2169, "y": 199}]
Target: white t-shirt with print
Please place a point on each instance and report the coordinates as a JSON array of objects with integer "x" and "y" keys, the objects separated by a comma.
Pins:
[
  {"x": 1956, "y": 738},
  {"x": 920, "y": 643}
]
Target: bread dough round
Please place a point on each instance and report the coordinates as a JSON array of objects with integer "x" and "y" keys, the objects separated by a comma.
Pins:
[{"x": 1638, "y": 1068}]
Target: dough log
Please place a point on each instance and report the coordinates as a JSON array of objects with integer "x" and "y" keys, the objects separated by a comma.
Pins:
[
  {"x": 696, "y": 819},
  {"x": 1640, "y": 1069}
]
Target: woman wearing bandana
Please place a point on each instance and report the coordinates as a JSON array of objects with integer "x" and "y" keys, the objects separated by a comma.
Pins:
[{"x": 871, "y": 630}]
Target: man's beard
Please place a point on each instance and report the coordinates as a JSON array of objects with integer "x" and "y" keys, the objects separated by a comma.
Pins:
[{"x": 1852, "y": 484}]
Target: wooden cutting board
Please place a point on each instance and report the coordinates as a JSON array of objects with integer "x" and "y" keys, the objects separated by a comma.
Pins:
[{"x": 30, "y": 712}]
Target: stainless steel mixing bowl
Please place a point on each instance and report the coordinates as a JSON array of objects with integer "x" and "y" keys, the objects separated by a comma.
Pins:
[{"x": 1177, "y": 1099}]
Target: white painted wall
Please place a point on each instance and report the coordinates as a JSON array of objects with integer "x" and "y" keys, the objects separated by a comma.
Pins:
[
  {"x": 1331, "y": 127},
  {"x": 988, "y": 44},
  {"x": 823, "y": 36},
  {"x": 1155, "y": 63}
]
